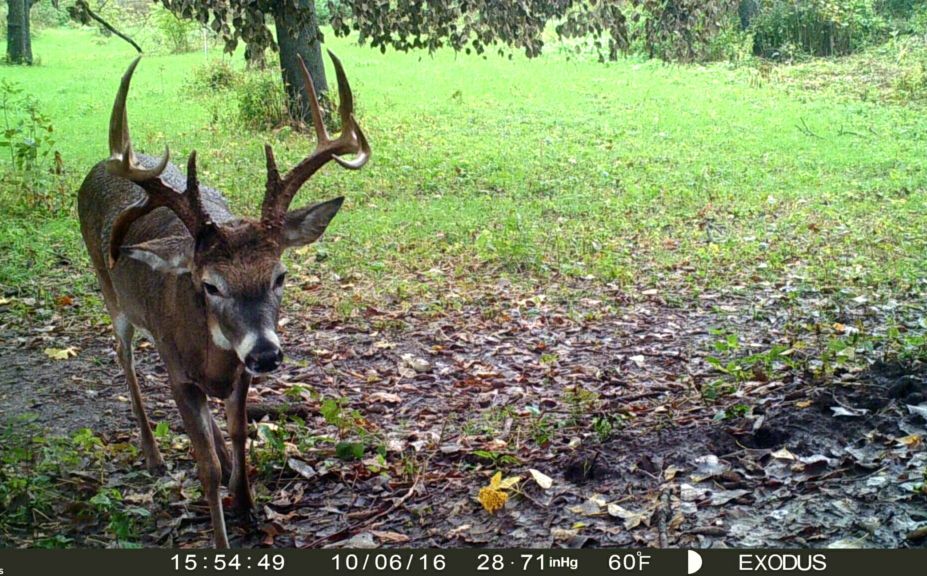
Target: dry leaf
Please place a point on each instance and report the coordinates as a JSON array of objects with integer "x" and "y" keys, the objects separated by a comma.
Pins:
[
  {"x": 631, "y": 519},
  {"x": 391, "y": 537},
  {"x": 783, "y": 454},
  {"x": 301, "y": 468},
  {"x": 387, "y": 397},
  {"x": 61, "y": 353},
  {"x": 542, "y": 480},
  {"x": 64, "y": 301},
  {"x": 911, "y": 440}
]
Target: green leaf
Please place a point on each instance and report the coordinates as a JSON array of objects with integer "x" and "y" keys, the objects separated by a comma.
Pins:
[{"x": 349, "y": 450}]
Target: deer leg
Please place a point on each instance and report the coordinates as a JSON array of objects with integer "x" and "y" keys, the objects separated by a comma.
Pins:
[
  {"x": 124, "y": 332},
  {"x": 238, "y": 430},
  {"x": 222, "y": 450},
  {"x": 196, "y": 418}
]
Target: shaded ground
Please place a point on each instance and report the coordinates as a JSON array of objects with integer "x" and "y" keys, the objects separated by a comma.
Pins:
[{"x": 713, "y": 425}]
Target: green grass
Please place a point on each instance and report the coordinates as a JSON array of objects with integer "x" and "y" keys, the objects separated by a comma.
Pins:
[{"x": 636, "y": 172}]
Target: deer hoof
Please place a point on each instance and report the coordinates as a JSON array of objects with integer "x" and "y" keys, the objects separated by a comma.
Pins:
[
  {"x": 245, "y": 519},
  {"x": 155, "y": 466}
]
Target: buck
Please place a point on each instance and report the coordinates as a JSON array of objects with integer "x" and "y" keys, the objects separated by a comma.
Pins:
[{"x": 202, "y": 284}]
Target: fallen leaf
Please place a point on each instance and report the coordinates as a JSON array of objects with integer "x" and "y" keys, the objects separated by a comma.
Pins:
[
  {"x": 542, "y": 480},
  {"x": 851, "y": 412},
  {"x": 590, "y": 507},
  {"x": 561, "y": 534},
  {"x": 494, "y": 496},
  {"x": 61, "y": 353},
  {"x": 911, "y": 440},
  {"x": 783, "y": 454},
  {"x": 391, "y": 537},
  {"x": 418, "y": 364},
  {"x": 301, "y": 468},
  {"x": 708, "y": 467},
  {"x": 689, "y": 493},
  {"x": 631, "y": 519},
  {"x": 670, "y": 473},
  {"x": 920, "y": 410},
  {"x": 722, "y": 497},
  {"x": 386, "y": 397}
]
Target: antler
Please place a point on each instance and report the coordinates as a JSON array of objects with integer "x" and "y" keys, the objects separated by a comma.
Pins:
[
  {"x": 185, "y": 204},
  {"x": 280, "y": 191}
]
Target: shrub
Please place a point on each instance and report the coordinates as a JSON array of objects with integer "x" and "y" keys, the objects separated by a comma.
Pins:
[
  {"x": 790, "y": 28},
  {"x": 28, "y": 137},
  {"x": 214, "y": 76},
  {"x": 911, "y": 81},
  {"x": 261, "y": 100},
  {"x": 46, "y": 15}
]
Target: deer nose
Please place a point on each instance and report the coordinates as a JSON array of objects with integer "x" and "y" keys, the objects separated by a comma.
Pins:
[{"x": 264, "y": 357}]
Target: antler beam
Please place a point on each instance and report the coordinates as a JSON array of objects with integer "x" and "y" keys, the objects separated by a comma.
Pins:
[
  {"x": 281, "y": 190},
  {"x": 185, "y": 204}
]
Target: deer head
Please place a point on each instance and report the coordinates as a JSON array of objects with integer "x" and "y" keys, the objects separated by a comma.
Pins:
[{"x": 234, "y": 266}]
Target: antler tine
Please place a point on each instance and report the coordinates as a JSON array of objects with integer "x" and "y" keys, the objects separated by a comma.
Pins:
[
  {"x": 280, "y": 191},
  {"x": 186, "y": 204},
  {"x": 122, "y": 160},
  {"x": 345, "y": 97},
  {"x": 321, "y": 133}
]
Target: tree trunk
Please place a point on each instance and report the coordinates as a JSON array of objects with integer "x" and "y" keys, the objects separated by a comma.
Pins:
[
  {"x": 18, "y": 42},
  {"x": 304, "y": 43}
]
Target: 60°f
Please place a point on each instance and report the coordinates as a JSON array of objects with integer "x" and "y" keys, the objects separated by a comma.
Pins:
[{"x": 629, "y": 562}]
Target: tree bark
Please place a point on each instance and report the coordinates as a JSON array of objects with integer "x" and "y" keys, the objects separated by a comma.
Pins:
[
  {"x": 18, "y": 41},
  {"x": 306, "y": 43}
]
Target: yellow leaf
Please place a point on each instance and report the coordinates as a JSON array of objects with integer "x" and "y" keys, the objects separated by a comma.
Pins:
[
  {"x": 492, "y": 498},
  {"x": 911, "y": 440},
  {"x": 496, "y": 481},
  {"x": 803, "y": 403},
  {"x": 61, "y": 353},
  {"x": 509, "y": 482}
]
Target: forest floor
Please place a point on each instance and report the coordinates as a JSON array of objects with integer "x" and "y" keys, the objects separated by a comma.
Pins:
[{"x": 656, "y": 425}]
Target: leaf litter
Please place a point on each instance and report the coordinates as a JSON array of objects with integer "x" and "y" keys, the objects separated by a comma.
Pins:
[{"x": 630, "y": 426}]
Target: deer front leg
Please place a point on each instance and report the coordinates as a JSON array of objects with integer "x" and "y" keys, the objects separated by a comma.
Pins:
[
  {"x": 222, "y": 450},
  {"x": 124, "y": 332},
  {"x": 238, "y": 430},
  {"x": 196, "y": 419}
]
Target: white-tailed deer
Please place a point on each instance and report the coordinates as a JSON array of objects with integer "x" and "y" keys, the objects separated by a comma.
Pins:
[{"x": 204, "y": 285}]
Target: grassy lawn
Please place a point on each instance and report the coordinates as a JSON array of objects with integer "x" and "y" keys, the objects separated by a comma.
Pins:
[{"x": 649, "y": 175}]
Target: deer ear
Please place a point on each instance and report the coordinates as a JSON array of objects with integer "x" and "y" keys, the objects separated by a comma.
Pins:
[
  {"x": 306, "y": 225},
  {"x": 172, "y": 255}
]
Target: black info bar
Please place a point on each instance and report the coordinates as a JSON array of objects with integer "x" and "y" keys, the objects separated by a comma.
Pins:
[{"x": 459, "y": 562}]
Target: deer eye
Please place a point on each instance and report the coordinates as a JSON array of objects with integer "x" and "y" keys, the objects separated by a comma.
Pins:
[
  {"x": 210, "y": 289},
  {"x": 278, "y": 283}
]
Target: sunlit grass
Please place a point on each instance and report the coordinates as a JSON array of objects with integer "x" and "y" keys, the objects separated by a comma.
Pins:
[{"x": 640, "y": 173}]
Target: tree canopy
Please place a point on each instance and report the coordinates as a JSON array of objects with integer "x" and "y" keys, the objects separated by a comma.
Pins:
[{"x": 668, "y": 28}]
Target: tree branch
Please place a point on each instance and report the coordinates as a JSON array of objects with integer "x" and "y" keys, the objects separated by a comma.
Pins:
[{"x": 81, "y": 11}]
